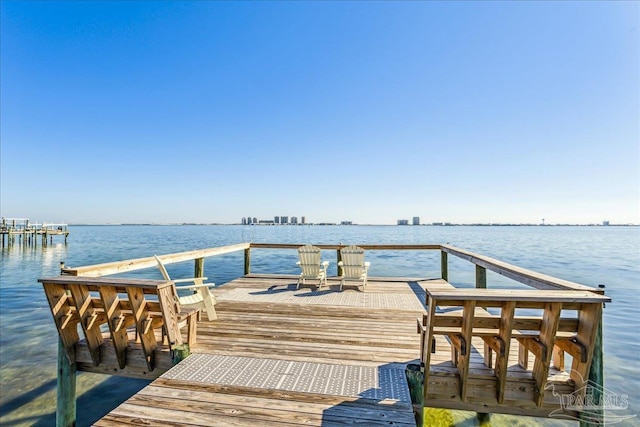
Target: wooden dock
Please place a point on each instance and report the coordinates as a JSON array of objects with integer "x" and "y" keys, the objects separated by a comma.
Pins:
[
  {"x": 277, "y": 355},
  {"x": 25, "y": 232},
  {"x": 290, "y": 357}
]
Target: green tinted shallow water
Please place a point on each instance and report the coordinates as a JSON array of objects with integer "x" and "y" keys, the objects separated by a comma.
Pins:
[{"x": 28, "y": 340}]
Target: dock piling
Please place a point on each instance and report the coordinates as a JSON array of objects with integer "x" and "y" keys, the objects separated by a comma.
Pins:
[
  {"x": 596, "y": 379},
  {"x": 481, "y": 277},
  {"x": 247, "y": 261},
  {"x": 66, "y": 390},
  {"x": 444, "y": 265}
]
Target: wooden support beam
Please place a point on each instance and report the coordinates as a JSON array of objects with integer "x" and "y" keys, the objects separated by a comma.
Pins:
[
  {"x": 548, "y": 331},
  {"x": 427, "y": 343},
  {"x": 338, "y": 261},
  {"x": 66, "y": 389},
  {"x": 247, "y": 261},
  {"x": 523, "y": 356},
  {"x": 575, "y": 348},
  {"x": 534, "y": 345},
  {"x": 589, "y": 321},
  {"x": 596, "y": 378},
  {"x": 116, "y": 322},
  {"x": 444, "y": 265},
  {"x": 557, "y": 358},
  {"x": 63, "y": 317},
  {"x": 84, "y": 303},
  {"x": 421, "y": 331},
  {"x": 141, "y": 314},
  {"x": 481, "y": 277},
  {"x": 198, "y": 270},
  {"x": 489, "y": 342},
  {"x": 469, "y": 308},
  {"x": 502, "y": 358}
]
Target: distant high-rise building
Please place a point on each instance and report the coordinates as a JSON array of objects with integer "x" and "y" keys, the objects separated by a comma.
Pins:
[
  {"x": 294, "y": 220},
  {"x": 284, "y": 220},
  {"x": 244, "y": 221},
  {"x": 248, "y": 220},
  {"x": 255, "y": 220},
  {"x": 276, "y": 219},
  {"x": 416, "y": 220},
  {"x": 303, "y": 220},
  {"x": 403, "y": 222}
]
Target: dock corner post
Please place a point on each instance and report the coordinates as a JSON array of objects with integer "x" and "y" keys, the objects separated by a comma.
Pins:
[
  {"x": 338, "y": 260},
  {"x": 199, "y": 268},
  {"x": 415, "y": 380},
  {"x": 444, "y": 265},
  {"x": 180, "y": 352},
  {"x": 596, "y": 379},
  {"x": 66, "y": 391},
  {"x": 481, "y": 277},
  {"x": 247, "y": 261}
]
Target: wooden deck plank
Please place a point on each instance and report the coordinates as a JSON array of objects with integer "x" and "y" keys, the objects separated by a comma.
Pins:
[
  {"x": 340, "y": 335},
  {"x": 348, "y": 328}
]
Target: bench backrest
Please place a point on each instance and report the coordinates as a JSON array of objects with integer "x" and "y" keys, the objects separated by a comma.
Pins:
[
  {"x": 462, "y": 314},
  {"x": 119, "y": 306}
]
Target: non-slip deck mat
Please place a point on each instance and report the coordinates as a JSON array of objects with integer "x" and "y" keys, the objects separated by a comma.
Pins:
[
  {"x": 408, "y": 301},
  {"x": 380, "y": 383}
]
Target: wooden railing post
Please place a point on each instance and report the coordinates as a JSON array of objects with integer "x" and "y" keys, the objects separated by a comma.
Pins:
[
  {"x": 415, "y": 379},
  {"x": 596, "y": 378},
  {"x": 444, "y": 265},
  {"x": 338, "y": 259},
  {"x": 247, "y": 261},
  {"x": 199, "y": 267},
  {"x": 481, "y": 277},
  {"x": 66, "y": 391}
]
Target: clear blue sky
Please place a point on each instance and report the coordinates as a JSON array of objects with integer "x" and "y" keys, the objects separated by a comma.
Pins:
[{"x": 365, "y": 111}]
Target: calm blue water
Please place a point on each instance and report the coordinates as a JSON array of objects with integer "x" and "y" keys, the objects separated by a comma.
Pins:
[{"x": 28, "y": 340}]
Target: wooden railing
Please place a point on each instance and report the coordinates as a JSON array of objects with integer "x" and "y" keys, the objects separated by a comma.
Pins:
[
  {"x": 482, "y": 263},
  {"x": 548, "y": 336},
  {"x": 116, "y": 267},
  {"x": 552, "y": 335},
  {"x": 519, "y": 274},
  {"x": 129, "y": 310}
]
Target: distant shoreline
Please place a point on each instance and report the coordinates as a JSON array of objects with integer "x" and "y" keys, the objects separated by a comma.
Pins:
[{"x": 353, "y": 225}]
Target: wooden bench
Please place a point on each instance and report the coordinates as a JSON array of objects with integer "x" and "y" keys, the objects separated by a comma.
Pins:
[
  {"x": 122, "y": 311},
  {"x": 548, "y": 336}
]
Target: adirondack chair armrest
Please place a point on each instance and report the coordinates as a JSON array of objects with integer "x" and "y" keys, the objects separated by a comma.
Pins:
[
  {"x": 325, "y": 264},
  {"x": 204, "y": 285},
  {"x": 192, "y": 279},
  {"x": 367, "y": 264}
]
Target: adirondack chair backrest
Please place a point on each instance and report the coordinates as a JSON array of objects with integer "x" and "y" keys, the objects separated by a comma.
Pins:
[
  {"x": 162, "y": 268},
  {"x": 309, "y": 256},
  {"x": 165, "y": 275},
  {"x": 352, "y": 261}
]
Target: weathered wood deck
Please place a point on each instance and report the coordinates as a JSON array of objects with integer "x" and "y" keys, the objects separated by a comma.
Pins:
[
  {"x": 335, "y": 337},
  {"x": 278, "y": 355}
]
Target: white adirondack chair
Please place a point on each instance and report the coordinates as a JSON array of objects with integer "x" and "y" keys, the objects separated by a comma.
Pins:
[
  {"x": 312, "y": 266},
  {"x": 201, "y": 296},
  {"x": 353, "y": 265}
]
